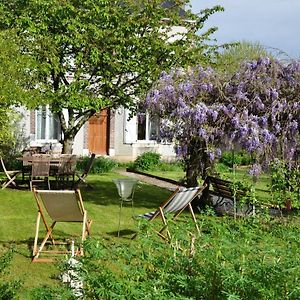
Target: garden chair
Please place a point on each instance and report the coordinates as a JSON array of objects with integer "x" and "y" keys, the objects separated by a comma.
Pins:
[
  {"x": 10, "y": 176},
  {"x": 61, "y": 206},
  {"x": 175, "y": 205},
  {"x": 40, "y": 170},
  {"x": 82, "y": 177},
  {"x": 66, "y": 170}
]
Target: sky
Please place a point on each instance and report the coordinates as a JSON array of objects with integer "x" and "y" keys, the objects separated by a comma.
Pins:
[{"x": 273, "y": 23}]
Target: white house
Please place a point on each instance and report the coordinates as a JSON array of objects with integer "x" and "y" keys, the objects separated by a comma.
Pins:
[{"x": 109, "y": 133}]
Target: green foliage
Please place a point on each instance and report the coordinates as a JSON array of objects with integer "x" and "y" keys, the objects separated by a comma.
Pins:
[
  {"x": 102, "y": 54},
  {"x": 231, "y": 58},
  {"x": 284, "y": 183},
  {"x": 101, "y": 164},
  {"x": 51, "y": 293},
  {"x": 13, "y": 81},
  {"x": 170, "y": 166},
  {"x": 147, "y": 161},
  {"x": 8, "y": 289},
  {"x": 230, "y": 158},
  {"x": 218, "y": 264}
]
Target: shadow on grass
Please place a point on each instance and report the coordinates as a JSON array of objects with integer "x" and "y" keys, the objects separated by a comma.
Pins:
[
  {"x": 123, "y": 233},
  {"x": 104, "y": 192},
  {"x": 15, "y": 246}
]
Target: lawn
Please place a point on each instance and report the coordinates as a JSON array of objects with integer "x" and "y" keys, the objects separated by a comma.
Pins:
[
  {"x": 19, "y": 211},
  {"x": 236, "y": 259},
  {"x": 241, "y": 174}
]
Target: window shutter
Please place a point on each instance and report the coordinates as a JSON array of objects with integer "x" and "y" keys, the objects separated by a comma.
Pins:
[{"x": 130, "y": 128}]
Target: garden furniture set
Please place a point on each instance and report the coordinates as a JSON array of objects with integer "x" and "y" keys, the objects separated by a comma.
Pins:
[{"x": 38, "y": 168}]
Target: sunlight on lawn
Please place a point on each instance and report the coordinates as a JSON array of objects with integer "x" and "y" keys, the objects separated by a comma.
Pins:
[{"x": 19, "y": 211}]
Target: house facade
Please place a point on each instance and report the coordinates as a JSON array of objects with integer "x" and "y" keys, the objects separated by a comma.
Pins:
[{"x": 108, "y": 133}]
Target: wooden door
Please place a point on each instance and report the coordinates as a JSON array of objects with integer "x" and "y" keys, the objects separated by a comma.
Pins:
[{"x": 98, "y": 136}]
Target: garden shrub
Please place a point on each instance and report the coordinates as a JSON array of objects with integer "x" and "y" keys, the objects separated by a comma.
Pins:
[
  {"x": 170, "y": 166},
  {"x": 100, "y": 165},
  {"x": 147, "y": 161},
  {"x": 240, "y": 158},
  {"x": 284, "y": 183}
]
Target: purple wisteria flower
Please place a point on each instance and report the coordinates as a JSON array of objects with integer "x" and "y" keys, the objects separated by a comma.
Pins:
[
  {"x": 255, "y": 170},
  {"x": 218, "y": 152},
  {"x": 273, "y": 94},
  {"x": 257, "y": 109},
  {"x": 267, "y": 137},
  {"x": 202, "y": 133},
  {"x": 211, "y": 155},
  {"x": 235, "y": 121}
]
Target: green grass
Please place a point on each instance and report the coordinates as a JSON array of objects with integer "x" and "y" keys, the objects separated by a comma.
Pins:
[
  {"x": 18, "y": 218},
  {"x": 19, "y": 211},
  {"x": 262, "y": 185}
]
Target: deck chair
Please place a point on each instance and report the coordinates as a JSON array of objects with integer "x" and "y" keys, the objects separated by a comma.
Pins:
[
  {"x": 82, "y": 177},
  {"x": 10, "y": 176},
  {"x": 175, "y": 205},
  {"x": 59, "y": 206}
]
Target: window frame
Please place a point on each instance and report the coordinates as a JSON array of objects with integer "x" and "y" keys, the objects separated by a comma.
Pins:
[{"x": 48, "y": 115}]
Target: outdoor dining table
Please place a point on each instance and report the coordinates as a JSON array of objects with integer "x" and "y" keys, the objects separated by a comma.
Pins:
[
  {"x": 54, "y": 160},
  {"x": 55, "y": 164}
]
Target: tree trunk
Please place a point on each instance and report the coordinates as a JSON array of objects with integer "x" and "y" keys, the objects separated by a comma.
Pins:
[
  {"x": 67, "y": 145},
  {"x": 197, "y": 162}
]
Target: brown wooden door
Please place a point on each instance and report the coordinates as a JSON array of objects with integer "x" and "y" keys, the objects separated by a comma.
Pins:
[{"x": 98, "y": 133}]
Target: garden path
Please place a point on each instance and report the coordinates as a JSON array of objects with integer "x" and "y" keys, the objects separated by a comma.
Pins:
[{"x": 150, "y": 180}]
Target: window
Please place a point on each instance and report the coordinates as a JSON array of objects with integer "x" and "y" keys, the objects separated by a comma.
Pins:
[
  {"x": 148, "y": 127},
  {"x": 47, "y": 124}
]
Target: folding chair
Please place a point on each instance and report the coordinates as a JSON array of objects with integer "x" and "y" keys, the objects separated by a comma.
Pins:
[
  {"x": 10, "y": 176},
  {"x": 175, "y": 204},
  {"x": 61, "y": 206},
  {"x": 82, "y": 177},
  {"x": 65, "y": 174},
  {"x": 40, "y": 170}
]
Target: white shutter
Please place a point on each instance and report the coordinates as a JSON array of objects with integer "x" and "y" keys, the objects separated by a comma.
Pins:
[{"x": 130, "y": 128}]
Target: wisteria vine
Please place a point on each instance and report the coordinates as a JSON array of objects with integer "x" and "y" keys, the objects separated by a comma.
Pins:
[{"x": 258, "y": 110}]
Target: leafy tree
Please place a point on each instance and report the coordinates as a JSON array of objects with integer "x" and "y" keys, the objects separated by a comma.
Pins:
[
  {"x": 229, "y": 60},
  {"x": 258, "y": 109},
  {"x": 14, "y": 80},
  {"x": 95, "y": 54}
]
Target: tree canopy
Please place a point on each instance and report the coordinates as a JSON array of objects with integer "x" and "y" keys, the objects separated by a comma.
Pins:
[
  {"x": 95, "y": 54},
  {"x": 14, "y": 80}
]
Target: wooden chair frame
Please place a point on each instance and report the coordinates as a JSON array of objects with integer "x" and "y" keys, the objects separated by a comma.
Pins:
[
  {"x": 82, "y": 177},
  {"x": 10, "y": 176},
  {"x": 175, "y": 204},
  {"x": 61, "y": 206}
]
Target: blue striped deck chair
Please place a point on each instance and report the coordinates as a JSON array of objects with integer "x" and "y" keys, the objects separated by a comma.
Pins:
[{"x": 175, "y": 205}]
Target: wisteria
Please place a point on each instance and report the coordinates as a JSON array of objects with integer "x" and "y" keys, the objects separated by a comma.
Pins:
[{"x": 258, "y": 110}]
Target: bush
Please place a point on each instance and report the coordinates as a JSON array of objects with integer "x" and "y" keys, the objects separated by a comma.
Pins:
[
  {"x": 101, "y": 165},
  {"x": 230, "y": 158},
  {"x": 147, "y": 161},
  {"x": 170, "y": 166}
]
